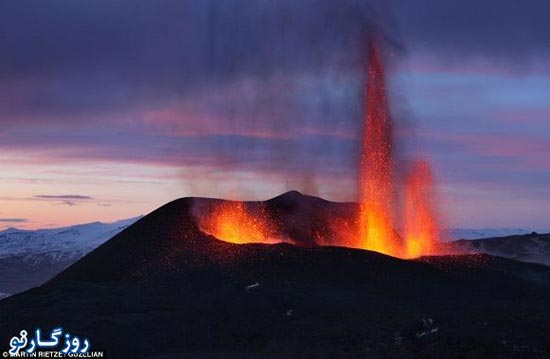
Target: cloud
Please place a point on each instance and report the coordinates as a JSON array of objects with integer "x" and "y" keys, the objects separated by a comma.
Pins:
[
  {"x": 63, "y": 197},
  {"x": 251, "y": 84},
  {"x": 81, "y": 65},
  {"x": 66, "y": 60},
  {"x": 502, "y": 30},
  {"x": 66, "y": 203},
  {"x": 13, "y": 220},
  {"x": 300, "y": 124},
  {"x": 70, "y": 200}
]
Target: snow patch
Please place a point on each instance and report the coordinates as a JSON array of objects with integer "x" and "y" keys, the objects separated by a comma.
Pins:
[{"x": 58, "y": 244}]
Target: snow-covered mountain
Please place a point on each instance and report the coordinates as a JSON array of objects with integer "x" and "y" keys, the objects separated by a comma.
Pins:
[
  {"x": 30, "y": 257},
  {"x": 59, "y": 243}
]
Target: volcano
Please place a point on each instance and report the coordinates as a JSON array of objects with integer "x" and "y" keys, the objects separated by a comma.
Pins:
[{"x": 163, "y": 288}]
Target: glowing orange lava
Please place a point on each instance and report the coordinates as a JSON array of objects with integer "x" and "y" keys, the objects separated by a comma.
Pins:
[
  {"x": 376, "y": 229},
  {"x": 421, "y": 228},
  {"x": 233, "y": 222},
  {"x": 377, "y": 185}
]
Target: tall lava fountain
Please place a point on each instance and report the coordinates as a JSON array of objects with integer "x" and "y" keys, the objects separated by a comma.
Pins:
[
  {"x": 389, "y": 202},
  {"x": 378, "y": 185},
  {"x": 376, "y": 228}
]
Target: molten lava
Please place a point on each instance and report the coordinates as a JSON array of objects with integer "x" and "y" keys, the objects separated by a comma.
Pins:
[
  {"x": 377, "y": 183},
  {"x": 421, "y": 229},
  {"x": 376, "y": 229},
  {"x": 233, "y": 222}
]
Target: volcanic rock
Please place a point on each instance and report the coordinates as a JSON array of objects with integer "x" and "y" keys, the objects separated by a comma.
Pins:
[{"x": 164, "y": 289}]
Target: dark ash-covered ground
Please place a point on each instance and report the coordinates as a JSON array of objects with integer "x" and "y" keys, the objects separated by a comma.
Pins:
[{"x": 161, "y": 288}]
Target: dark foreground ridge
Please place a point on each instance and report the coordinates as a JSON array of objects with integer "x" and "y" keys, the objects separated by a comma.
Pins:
[{"x": 162, "y": 288}]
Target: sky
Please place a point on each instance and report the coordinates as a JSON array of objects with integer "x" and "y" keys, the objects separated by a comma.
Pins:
[{"x": 109, "y": 109}]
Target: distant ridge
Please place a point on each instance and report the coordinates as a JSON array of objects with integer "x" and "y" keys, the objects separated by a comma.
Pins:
[
  {"x": 30, "y": 257},
  {"x": 478, "y": 233}
]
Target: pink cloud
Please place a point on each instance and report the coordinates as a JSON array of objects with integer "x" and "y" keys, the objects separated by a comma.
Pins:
[{"x": 528, "y": 152}]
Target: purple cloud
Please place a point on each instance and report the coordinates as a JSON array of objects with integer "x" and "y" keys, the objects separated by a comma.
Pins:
[
  {"x": 70, "y": 200},
  {"x": 13, "y": 220},
  {"x": 63, "y": 197}
]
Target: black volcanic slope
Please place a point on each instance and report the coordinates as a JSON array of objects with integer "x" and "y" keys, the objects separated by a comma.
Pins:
[{"x": 163, "y": 289}]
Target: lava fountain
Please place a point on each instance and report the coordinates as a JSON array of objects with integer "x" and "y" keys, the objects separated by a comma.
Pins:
[
  {"x": 376, "y": 229},
  {"x": 377, "y": 184},
  {"x": 382, "y": 196},
  {"x": 421, "y": 228}
]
